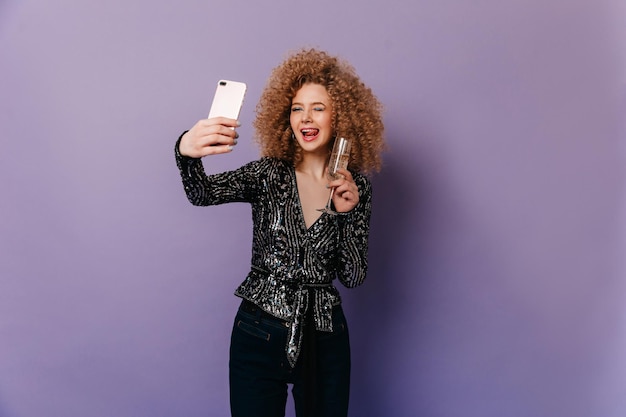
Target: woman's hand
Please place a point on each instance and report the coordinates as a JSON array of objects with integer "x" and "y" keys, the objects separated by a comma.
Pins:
[
  {"x": 346, "y": 195},
  {"x": 209, "y": 137}
]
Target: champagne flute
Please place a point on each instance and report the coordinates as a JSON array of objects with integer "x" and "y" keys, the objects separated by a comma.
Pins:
[{"x": 339, "y": 158}]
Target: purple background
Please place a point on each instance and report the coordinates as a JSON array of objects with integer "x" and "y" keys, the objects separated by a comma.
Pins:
[{"x": 497, "y": 284}]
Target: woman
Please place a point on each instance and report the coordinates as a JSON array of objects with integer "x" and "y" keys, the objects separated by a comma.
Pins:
[{"x": 290, "y": 328}]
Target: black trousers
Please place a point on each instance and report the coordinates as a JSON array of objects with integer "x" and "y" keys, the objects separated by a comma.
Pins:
[{"x": 260, "y": 373}]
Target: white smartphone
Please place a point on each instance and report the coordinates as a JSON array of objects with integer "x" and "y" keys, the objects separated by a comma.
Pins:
[{"x": 228, "y": 99}]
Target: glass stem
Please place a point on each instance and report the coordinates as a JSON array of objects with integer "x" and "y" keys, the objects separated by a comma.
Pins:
[{"x": 330, "y": 197}]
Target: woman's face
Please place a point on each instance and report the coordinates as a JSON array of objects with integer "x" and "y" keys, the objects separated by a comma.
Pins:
[{"x": 311, "y": 118}]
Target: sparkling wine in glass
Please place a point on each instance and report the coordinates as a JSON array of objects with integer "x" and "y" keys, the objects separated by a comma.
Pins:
[{"x": 338, "y": 159}]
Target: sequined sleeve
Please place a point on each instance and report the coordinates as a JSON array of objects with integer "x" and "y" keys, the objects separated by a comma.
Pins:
[
  {"x": 239, "y": 185},
  {"x": 353, "y": 234}
]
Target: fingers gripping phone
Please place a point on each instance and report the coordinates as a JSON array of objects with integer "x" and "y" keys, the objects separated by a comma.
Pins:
[{"x": 228, "y": 99}]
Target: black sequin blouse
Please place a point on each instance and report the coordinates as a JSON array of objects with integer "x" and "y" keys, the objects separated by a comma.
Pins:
[{"x": 290, "y": 263}]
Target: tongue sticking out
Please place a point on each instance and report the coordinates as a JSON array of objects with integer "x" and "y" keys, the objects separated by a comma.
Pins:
[{"x": 309, "y": 133}]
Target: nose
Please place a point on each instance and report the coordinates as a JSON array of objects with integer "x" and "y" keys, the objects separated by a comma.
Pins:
[{"x": 306, "y": 116}]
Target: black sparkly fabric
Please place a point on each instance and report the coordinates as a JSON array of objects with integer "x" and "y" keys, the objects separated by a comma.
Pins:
[{"x": 292, "y": 267}]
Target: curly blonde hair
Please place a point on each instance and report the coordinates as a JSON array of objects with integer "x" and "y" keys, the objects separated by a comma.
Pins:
[{"x": 357, "y": 113}]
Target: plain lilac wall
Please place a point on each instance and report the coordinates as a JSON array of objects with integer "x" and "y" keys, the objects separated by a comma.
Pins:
[{"x": 497, "y": 284}]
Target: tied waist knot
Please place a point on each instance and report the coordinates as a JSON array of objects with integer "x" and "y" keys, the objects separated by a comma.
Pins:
[{"x": 308, "y": 312}]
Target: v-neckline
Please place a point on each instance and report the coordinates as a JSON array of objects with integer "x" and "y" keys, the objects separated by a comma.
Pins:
[{"x": 294, "y": 180}]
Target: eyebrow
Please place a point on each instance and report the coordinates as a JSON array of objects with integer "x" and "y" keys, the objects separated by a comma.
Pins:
[{"x": 313, "y": 104}]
